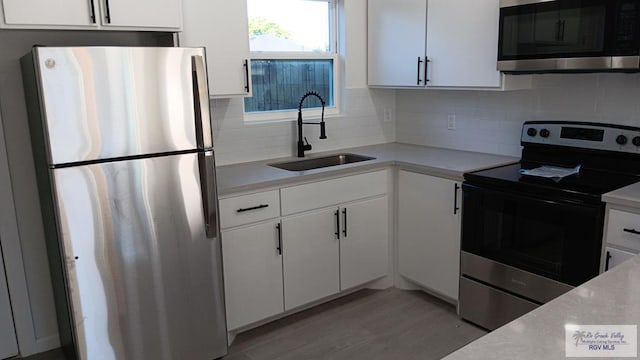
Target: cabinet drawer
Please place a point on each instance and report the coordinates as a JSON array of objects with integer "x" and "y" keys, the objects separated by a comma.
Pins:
[
  {"x": 623, "y": 229},
  {"x": 332, "y": 192},
  {"x": 246, "y": 209}
]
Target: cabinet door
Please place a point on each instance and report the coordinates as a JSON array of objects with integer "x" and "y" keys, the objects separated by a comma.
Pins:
[
  {"x": 222, "y": 27},
  {"x": 364, "y": 244},
  {"x": 462, "y": 43},
  {"x": 252, "y": 273},
  {"x": 429, "y": 232},
  {"x": 49, "y": 12},
  {"x": 310, "y": 257},
  {"x": 614, "y": 257},
  {"x": 142, "y": 13},
  {"x": 8, "y": 344},
  {"x": 396, "y": 39}
]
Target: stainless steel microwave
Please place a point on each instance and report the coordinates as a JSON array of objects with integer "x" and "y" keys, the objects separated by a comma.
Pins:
[{"x": 569, "y": 35}]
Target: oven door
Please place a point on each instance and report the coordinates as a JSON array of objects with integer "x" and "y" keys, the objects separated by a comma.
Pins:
[
  {"x": 555, "y": 238},
  {"x": 544, "y": 35}
]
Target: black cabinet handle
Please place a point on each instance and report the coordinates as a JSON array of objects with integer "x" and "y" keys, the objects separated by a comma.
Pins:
[
  {"x": 107, "y": 15},
  {"x": 337, "y": 213},
  {"x": 455, "y": 199},
  {"x": 344, "y": 214},
  {"x": 246, "y": 73},
  {"x": 426, "y": 67},
  {"x": 92, "y": 7},
  {"x": 606, "y": 264},
  {"x": 279, "y": 229},
  {"x": 253, "y": 208},
  {"x": 632, "y": 231},
  {"x": 419, "y": 62}
]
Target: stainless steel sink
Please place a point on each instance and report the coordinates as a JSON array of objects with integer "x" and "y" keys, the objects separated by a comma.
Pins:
[{"x": 317, "y": 163}]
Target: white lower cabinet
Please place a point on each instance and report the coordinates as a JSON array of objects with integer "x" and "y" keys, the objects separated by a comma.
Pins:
[
  {"x": 622, "y": 236},
  {"x": 615, "y": 257},
  {"x": 286, "y": 248},
  {"x": 429, "y": 224},
  {"x": 252, "y": 273},
  {"x": 311, "y": 257},
  {"x": 364, "y": 242}
]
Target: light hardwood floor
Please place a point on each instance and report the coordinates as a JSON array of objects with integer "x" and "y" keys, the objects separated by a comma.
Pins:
[{"x": 369, "y": 324}]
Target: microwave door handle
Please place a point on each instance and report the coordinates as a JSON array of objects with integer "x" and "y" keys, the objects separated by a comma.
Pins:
[
  {"x": 206, "y": 165},
  {"x": 201, "y": 103}
]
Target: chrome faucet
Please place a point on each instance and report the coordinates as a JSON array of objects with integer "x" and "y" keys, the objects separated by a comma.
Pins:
[{"x": 302, "y": 147}]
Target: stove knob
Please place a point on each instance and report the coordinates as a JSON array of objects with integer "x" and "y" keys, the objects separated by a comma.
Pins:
[
  {"x": 636, "y": 141},
  {"x": 532, "y": 132},
  {"x": 621, "y": 140},
  {"x": 545, "y": 133}
]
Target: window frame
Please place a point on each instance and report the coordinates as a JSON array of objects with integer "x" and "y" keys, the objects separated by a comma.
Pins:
[{"x": 291, "y": 115}]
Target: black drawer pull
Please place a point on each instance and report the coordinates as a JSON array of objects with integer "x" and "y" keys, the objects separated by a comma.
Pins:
[
  {"x": 253, "y": 208},
  {"x": 632, "y": 231}
]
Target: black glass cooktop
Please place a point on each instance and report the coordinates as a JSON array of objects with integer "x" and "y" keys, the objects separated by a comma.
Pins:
[{"x": 587, "y": 185}]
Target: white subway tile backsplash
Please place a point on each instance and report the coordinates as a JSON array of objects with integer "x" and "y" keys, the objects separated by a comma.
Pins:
[
  {"x": 361, "y": 123},
  {"x": 491, "y": 121}
]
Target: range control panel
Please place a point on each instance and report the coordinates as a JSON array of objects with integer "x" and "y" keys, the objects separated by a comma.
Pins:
[{"x": 582, "y": 135}]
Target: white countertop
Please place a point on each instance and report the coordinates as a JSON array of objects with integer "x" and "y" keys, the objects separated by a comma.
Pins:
[
  {"x": 612, "y": 298},
  {"x": 436, "y": 161},
  {"x": 628, "y": 196}
]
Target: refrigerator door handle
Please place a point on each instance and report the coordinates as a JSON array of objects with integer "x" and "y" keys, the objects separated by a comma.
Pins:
[
  {"x": 208, "y": 188},
  {"x": 201, "y": 103}
]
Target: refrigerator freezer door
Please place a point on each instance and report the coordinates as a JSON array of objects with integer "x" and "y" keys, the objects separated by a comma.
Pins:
[
  {"x": 144, "y": 279},
  {"x": 109, "y": 102}
]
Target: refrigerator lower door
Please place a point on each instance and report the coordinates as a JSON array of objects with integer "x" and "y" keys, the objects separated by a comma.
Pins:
[{"x": 143, "y": 279}]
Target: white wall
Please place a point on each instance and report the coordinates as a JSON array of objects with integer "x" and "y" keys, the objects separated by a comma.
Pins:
[
  {"x": 361, "y": 121},
  {"x": 491, "y": 121}
]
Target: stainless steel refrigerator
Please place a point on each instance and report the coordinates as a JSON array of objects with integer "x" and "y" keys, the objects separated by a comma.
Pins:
[{"x": 124, "y": 156}]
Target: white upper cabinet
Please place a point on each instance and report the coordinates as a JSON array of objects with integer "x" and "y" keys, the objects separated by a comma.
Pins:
[
  {"x": 161, "y": 15},
  {"x": 222, "y": 27},
  {"x": 462, "y": 43},
  {"x": 433, "y": 43},
  {"x": 396, "y": 33},
  {"x": 35, "y": 13},
  {"x": 142, "y": 13}
]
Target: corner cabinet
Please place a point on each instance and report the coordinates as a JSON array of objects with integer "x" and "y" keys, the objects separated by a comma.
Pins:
[
  {"x": 158, "y": 15},
  {"x": 222, "y": 28},
  {"x": 429, "y": 222},
  {"x": 433, "y": 43}
]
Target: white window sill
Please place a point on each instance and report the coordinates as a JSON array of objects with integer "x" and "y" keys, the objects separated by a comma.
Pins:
[{"x": 292, "y": 115}]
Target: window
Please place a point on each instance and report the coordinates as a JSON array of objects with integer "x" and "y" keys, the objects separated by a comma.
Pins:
[{"x": 293, "y": 51}]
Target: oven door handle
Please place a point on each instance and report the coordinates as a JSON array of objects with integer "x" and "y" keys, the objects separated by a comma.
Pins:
[{"x": 632, "y": 231}]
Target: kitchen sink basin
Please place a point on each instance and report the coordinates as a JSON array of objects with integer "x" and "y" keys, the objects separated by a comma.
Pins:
[{"x": 321, "y": 162}]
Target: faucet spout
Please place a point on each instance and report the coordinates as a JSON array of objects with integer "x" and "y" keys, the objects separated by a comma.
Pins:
[{"x": 302, "y": 147}]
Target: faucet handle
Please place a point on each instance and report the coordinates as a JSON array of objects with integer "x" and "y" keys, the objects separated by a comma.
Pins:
[{"x": 307, "y": 146}]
